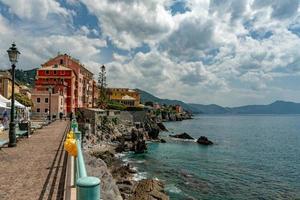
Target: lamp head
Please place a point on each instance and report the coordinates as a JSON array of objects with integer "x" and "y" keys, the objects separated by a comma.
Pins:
[{"x": 13, "y": 53}]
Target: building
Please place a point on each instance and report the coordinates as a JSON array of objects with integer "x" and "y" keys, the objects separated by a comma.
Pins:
[
  {"x": 83, "y": 86},
  {"x": 125, "y": 96},
  {"x": 25, "y": 91},
  {"x": 41, "y": 101},
  {"x": 6, "y": 84},
  {"x": 70, "y": 83},
  {"x": 179, "y": 109},
  {"x": 61, "y": 81},
  {"x": 96, "y": 93}
]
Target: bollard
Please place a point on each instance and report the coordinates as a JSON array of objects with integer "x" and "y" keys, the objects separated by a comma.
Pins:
[{"x": 88, "y": 188}]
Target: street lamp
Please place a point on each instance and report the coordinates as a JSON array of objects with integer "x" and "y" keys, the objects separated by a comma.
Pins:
[
  {"x": 13, "y": 55},
  {"x": 50, "y": 89}
]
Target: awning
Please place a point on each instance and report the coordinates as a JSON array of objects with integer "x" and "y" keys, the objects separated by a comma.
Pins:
[{"x": 17, "y": 104}]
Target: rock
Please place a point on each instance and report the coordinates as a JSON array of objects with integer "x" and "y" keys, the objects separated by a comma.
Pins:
[
  {"x": 152, "y": 128},
  {"x": 203, "y": 140},
  {"x": 162, "y": 126},
  {"x": 140, "y": 146},
  {"x": 163, "y": 141},
  {"x": 182, "y": 136},
  {"x": 149, "y": 189},
  {"x": 106, "y": 156},
  {"x": 98, "y": 168}
]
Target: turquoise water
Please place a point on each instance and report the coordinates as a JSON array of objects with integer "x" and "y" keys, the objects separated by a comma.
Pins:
[{"x": 254, "y": 157}]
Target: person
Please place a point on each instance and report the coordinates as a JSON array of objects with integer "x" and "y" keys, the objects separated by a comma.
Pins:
[
  {"x": 61, "y": 116},
  {"x": 5, "y": 119},
  {"x": 71, "y": 115}
]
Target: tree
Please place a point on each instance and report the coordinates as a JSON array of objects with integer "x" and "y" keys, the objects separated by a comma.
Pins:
[
  {"x": 102, "y": 100},
  {"x": 23, "y": 99},
  {"x": 149, "y": 103}
]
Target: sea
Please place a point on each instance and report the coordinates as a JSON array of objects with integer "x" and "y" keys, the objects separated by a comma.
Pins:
[{"x": 253, "y": 157}]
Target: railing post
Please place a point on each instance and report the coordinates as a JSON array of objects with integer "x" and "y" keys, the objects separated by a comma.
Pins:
[
  {"x": 78, "y": 136},
  {"x": 88, "y": 188}
]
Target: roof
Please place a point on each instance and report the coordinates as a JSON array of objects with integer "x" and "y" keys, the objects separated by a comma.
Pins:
[
  {"x": 96, "y": 109},
  {"x": 126, "y": 97},
  {"x": 71, "y": 58},
  {"x": 55, "y": 67}
]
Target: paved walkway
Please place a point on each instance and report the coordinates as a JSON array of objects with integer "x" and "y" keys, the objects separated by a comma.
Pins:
[{"x": 33, "y": 169}]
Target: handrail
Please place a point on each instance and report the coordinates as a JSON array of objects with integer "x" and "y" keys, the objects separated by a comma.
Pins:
[
  {"x": 81, "y": 171},
  {"x": 88, "y": 187}
]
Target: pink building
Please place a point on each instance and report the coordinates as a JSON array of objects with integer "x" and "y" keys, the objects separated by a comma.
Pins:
[{"x": 41, "y": 101}]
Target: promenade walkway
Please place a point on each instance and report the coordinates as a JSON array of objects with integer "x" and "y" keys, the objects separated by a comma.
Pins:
[{"x": 35, "y": 168}]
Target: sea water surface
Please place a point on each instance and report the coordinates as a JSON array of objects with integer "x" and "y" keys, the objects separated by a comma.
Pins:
[{"x": 254, "y": 157}]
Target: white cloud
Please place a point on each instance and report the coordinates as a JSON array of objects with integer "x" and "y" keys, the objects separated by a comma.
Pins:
[
  {"x": 220, "y": 51},
  {"x": 35, "y": 9},
  {"x": 131, "y": 23}
]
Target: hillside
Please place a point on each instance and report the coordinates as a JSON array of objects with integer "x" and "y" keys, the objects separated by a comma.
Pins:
[
  {"x": 26, "y": 77},
  {"x": 278, "y": 107},
  {"x": 145, "y": 96}
]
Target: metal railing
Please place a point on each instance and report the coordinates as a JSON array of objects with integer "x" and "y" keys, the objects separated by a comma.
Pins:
[{"x": 87, "y": 187}]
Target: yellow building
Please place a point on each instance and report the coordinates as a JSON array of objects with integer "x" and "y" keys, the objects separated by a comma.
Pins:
[
  {"x": 125, "y": 96},
  {"x": 6, "y": 84}
]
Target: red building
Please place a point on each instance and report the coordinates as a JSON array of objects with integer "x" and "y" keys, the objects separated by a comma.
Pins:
[
  {"x": 62, "y": 81},
  {"x": 83, "y": 94},
  {"x": 68, "y": 78}
]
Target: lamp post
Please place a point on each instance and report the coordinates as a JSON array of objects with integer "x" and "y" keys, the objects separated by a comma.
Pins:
[
  {"x": 13, "y": 55},
  {"x": 50, "y": 94}
]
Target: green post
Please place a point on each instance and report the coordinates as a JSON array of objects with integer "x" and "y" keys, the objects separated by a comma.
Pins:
[{"x": 88, "y": 188}]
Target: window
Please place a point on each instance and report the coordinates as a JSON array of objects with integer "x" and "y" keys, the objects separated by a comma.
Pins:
[
  {"x": 47, "y": 71},
  {"x": 61, "y": 61},
  {"x": 38, "y": 110},
  {"x": 46, "y": 110},
  {"x": 54, "y": 72},
  {"x": 46, "y": 100},
  {"x": 38, "y": 100}
]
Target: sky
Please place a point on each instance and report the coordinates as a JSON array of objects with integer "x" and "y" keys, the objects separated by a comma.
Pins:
[{"x": 226, "y": 52}]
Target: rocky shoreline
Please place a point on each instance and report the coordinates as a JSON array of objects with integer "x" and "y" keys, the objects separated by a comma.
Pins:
[{"x": 117, "y": 177}]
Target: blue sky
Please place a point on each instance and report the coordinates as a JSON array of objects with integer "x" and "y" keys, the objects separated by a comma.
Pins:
[{"x": 228, "y": 52}]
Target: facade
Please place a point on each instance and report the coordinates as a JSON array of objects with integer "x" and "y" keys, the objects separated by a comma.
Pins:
[
  {"x": 96, "y": 93},
  {"x": 83, "y": 85},
  {"x": 25, "y": 91},
  {"x": 179, "y": 109},
  {"x": 59, "y": 79},
  {"x": 41, "y": 101},
  {"x": 125, "y": 96},
  {"x": 156, "y": 106},
  {"x": 72, "y": 86},
  {"x": 6, "y": 84}
]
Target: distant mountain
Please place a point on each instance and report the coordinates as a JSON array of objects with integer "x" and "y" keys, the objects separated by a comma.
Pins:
[
  {"x": 146, "y": 96},
  {"x": 278, "y": 107}
]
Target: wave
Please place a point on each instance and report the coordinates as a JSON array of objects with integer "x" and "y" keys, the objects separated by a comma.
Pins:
[
  {"x": 139, "y": 176},
  {"x": 173, "y": 189}
]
